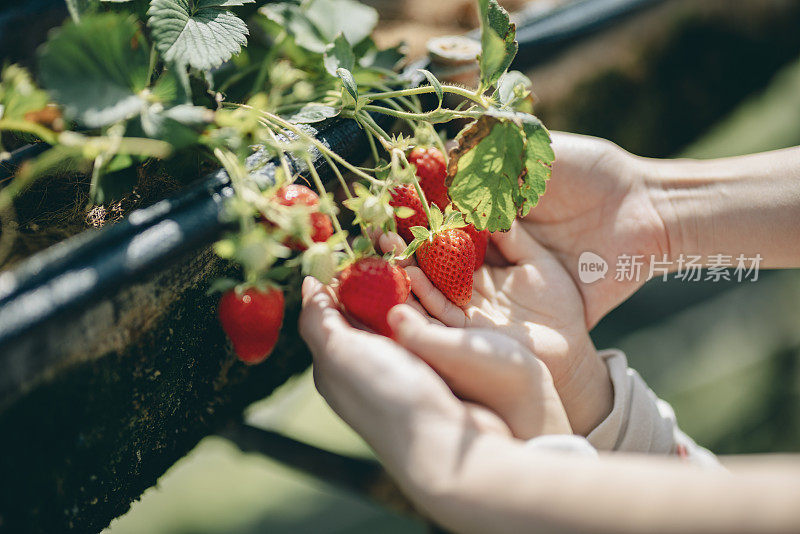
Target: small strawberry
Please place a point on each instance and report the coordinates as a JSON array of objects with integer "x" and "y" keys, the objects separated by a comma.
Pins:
[
  {"x": 404, "y": 196},
  {"x": 321, "y": 225},
  {"x": 321, "y": 228},
  {"x": 446, "y": 254},
  {"x": 448, "y": 258},
  {"x": 252, "y": 319},
  {"x": 293, "y": 194},
  {"x": 431, "y": 171},
  {"x": 370, "y": 287},
  {"x": 480, "y": 240}
]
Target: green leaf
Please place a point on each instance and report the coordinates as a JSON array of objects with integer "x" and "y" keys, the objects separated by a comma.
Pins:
[
  {"x": 370, "y": 57},
  {"x": 198, "y": 33},
  {"x": 338, "y": 55},
  {"x": 437, "y": 87},
  {"x": 291, "y": 19},
  {"x": 313, "y": 112},
  {"x": 352, "y": 19},
  {"x": 539, "y": 157},
  {"x": 513, "y": 87},
  {"x": 349, "y": 83},
  {"x": 498, "y": 44},
  {"x": 97, "y": 69},
  {"x": 18, "y": 94},
  {"x": 484, "y": 173},
  {"x": 315, "y": 24}
]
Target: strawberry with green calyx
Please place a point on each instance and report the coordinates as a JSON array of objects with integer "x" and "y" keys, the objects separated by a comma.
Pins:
[
  {"x": 446, "y": 255},
  {"x": 252, "y": 319},
  {"x": 408, "y": 210},
  {"x": 481, "y": 240},
  {"x": 431, "y": 170},
  {"x": 372, "y": 209},
  {"x": 371, "y": 286}
]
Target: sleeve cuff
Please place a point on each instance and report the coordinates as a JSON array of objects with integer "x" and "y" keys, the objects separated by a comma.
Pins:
[
  {"x": 641, "y": 422},
  {"x": 562, "y": 443}
]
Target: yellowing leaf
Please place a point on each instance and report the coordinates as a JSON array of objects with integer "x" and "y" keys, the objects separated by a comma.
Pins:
[{"x": 484, "y": 173}]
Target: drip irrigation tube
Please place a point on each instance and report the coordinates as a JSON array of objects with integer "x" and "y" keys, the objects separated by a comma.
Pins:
[{"x": 64, "y": 278}]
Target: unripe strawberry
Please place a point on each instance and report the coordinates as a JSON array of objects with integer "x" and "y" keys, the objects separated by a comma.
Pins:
[
  {"x": 252, "y": 321},
  {"x": 370, "y": 287},
  {"x": 431, "y": 171},
  {"x": 448, "y": 261},
  {"x": 480, "y": 240},
  {"x": 405, "y": 196}
]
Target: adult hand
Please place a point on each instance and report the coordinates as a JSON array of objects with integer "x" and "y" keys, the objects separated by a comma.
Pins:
[{"x": 598, "y": 200}]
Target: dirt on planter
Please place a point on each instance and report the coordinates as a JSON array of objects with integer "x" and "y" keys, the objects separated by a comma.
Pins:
[{"x": 57, "y": 207}]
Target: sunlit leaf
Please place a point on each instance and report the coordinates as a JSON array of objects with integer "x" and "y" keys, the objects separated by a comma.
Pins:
[
  {"x": 199, "y": 33},
  {"x": 97, "y": 69},
  {"x": 484, "y": 173},
  {"x": 497, "y": 41},
  {"x": 338, "y": 55}
]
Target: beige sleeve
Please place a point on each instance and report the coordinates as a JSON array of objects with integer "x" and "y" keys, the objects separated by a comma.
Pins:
[{"x": 640, "y": 422}]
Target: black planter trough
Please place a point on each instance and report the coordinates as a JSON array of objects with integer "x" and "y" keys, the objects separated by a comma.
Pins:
[{"x": 112, "y": 362}]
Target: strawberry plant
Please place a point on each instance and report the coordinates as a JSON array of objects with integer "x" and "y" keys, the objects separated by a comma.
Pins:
[{"x": 235, "y": 84}]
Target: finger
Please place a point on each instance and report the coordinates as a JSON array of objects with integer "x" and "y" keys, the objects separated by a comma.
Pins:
[
  {"x": 320, "y": 317},
  {"x": 456, "y": 352},
  {"x": 414, "y": 303},
  {"x": 486, "y": 420},
  {"x": 487, "y": 368},
  {"x": 434, "y": 301},
  {"x": 392, "y": 242},
  {"x": 516, "y": 245},
  {"x": 494, "y": 258}
]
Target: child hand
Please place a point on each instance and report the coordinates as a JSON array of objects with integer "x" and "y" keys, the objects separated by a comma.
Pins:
[
  {"x": 528, "y": 295},
  {"x": 488, "y": 368}
]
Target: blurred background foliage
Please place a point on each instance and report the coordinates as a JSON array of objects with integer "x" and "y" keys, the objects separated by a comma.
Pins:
[{"x": 726, "y": 355}]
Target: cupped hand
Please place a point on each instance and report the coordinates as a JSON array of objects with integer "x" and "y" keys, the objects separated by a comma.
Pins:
[
  {"x": 598, "y": 200},
  {"x": 383, "y": 389},
  {"x": 524, "y": 292}
]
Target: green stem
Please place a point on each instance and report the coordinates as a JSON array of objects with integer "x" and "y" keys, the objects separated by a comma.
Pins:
[
  {"x": 277, "y": 121},
  {"x": 321, "y": 189},
  {"x": 261, "y": 77},
  {"x": 453, "y": 89},
  {"x": 152, "y": 65},
  {"x": 373, "y": 148},
  {"x": 46, "y": 135},
  {"x": 421, "y": 116}
]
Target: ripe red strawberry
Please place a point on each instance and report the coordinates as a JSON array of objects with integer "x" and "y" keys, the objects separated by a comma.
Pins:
[
  {"x": 431, "y": 171},
  {"x": 252, "y": 321},
  {"x": 406, "y": 196},
  {"x": 321, "y": 228},
  {"x": 321, "y": 225},
  {"x": 480, "y": 240},
  {"x": 448, "y": 262},
  {"x": 370, "y": 287}
]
